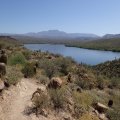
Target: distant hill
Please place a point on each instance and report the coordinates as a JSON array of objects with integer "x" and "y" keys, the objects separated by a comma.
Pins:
[
  {"x": 56, "y": 35},
  {"x": 108, "y": 36},
  {"x": 109, "y": 68},
  {"x": 7, "y": 41},
  {"x": 61, "y": 34},
  {"x": 112, "y": 44}
]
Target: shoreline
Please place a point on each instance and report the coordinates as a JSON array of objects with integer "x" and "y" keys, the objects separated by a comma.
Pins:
[{"x": 66, "y": 45}]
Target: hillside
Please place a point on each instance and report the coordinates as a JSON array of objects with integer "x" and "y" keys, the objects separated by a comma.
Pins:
[
  {"x": 38, "y": 85},
  {"x": 112, "y": 44},
  {"x": 7, "y": 41},
  {"x": 110, "y": 69}
]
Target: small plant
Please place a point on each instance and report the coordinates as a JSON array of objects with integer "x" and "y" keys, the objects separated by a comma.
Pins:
[
  {"x": 13, "y": 75},
  {"x": 17, "y": 58},
  {"x": 114, "y": 114},
  {"x": 43, "y": 79},
  {"x": 87, "y": 116},
  {"x": 29, "y": 70},
  {"x": 101, "y": 82},
  {"x": 40, "y": 102},
  {"x": 57, "y": 97},
  {"x": 27, "y": 54},
  {"x": 83, "y": 99},
  {"x": 114, "y": 83}
]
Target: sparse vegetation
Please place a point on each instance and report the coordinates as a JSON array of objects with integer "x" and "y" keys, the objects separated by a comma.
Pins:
[
  {"x": 58, "y": 98},
  {"x": 16, "y": 58},
  {"x": 14, "y": 74},
  {"x": 29, "y": 70},
  {"x": 77, "y": 86}
]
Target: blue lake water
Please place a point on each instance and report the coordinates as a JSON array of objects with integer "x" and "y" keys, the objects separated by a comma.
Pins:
[{"x": 91, "y": 57}]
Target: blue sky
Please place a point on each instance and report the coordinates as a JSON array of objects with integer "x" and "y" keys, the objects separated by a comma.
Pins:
[{"x": 81, "y": 16}]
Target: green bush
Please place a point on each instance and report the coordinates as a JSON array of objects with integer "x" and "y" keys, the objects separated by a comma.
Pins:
[
  {"x": 55, "y": 67},
  {"x": 13, "y": 75},
  {"x": 48, "y": 66},
  {"x": 29, "y": 70},
  {"x": 83, "y": 99},
  {"x": 17, "y": 58},
  {"x": 27, "y": 54},
  {"x": 57, "y": 97}
]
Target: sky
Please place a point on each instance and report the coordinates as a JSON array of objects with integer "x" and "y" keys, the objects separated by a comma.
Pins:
[{"x": 73, "y": 16}]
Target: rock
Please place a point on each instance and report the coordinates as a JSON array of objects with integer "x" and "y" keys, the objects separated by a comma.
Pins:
[
  {"x": 6, "y": 83},
  {"x": 2, "y": 69},
  {"x": 2, "y": 86},
  {"x": 3, "y": 58},
  {"x": 79, "y": 89},
  {"x": 100, "y": 107},
  {"x": 67, "y": 118},
  {"x": 40, "y": 91},
  {"x": 69, "y": 78},
  {"x": 102, "y": 117},
  {"x": 35, "y": 69},
  {"x": 55, "y": 82},
  {"x": 110, "y": 103}
]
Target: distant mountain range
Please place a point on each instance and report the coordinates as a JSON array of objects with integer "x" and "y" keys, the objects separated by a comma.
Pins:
[
  {"x": 107, "y": 36},
  {"x": 56, "y": 34},
  {"x": 61, "y": 34}
]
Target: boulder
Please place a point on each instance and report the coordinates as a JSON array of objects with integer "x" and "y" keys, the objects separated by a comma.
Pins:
[
  {"x": 110, "y": 103},
  {"x": 3, "y": 58},
  {"x": 2, "y": 69},
  {"x": 55, "y": 83},
  {"x": 2, "y": 86},
  {"x": 100, "y": 107}
]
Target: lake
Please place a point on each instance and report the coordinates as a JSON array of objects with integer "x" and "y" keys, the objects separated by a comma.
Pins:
[{"x": 91, "y": 57}]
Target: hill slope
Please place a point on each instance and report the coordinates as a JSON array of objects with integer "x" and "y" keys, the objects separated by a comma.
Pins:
[{"x": 101, "y": 44}]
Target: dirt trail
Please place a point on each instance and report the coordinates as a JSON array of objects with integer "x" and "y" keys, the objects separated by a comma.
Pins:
[{"x": 16, "y": 99}]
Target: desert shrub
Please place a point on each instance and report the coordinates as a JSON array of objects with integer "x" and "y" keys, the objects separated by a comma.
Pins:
[
  {"x": 40, "y": 102},
  {"x": 42, "y": 79},
  {"x": 13, "y": 75},
  {"x": 17, "y": 58},
  {"x": 114, "y": 83},
  {"x": 55, "y": 67},
  {"x": 114, "y": 114},
  {"x": 57, "y": 97},
  {"x": 101, "y": 82},
  {"x": 49, "y": 67},
  {"x": 85, "y": 83},
  {"x": 29, "y": 70},
  {"x": 27, "y": 54},
  {"x": 63, "y": 64},
  {"x": 88, "y": 116},
  {"x": 84, "y": 99},
  {"x": 82, "y": 102}
]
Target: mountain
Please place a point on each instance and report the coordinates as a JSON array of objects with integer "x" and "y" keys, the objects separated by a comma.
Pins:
[
  {"x": 61, "y": 34},
  {"x": 107, "y": 36}
]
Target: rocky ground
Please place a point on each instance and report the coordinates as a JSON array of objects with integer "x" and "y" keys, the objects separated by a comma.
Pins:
[{"x": 15, "y": 101}]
